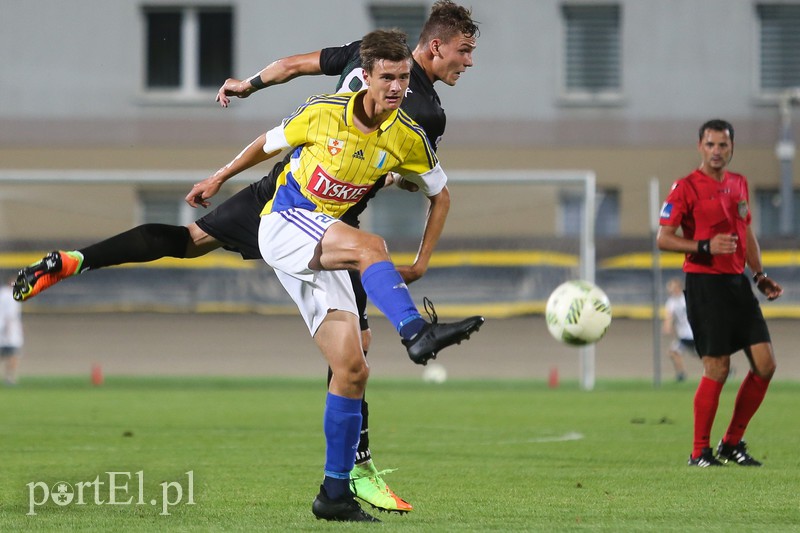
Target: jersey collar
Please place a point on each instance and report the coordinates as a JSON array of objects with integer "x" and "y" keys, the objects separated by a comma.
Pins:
[{"x": 348, "y": 116}]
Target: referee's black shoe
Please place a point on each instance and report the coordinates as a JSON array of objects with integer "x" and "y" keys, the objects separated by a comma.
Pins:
[
  {"x": 346, "y": 509},
  {"x": 434, "y": 337},
  {"x": 705, "y": 460},
  {"x": 738, "y": 454}
]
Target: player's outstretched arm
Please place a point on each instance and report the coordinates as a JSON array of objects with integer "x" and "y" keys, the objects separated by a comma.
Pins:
[
  {"x": 275, "y": 73},
  {"x": 249, "y": 157},
  {"x": 434, "y": 225}
]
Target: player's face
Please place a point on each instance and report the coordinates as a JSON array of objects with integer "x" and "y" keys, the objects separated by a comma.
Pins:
[
  {"x": 716, "y": 148},
  {"x": 451, "y": 58},
  {"x": 387, "y": 83}
]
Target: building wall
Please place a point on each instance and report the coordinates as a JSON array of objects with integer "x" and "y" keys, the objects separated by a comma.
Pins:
[{"x": 72, "y": 82}]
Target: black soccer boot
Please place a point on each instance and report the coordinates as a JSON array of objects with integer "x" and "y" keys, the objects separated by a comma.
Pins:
[
  {"x": 345, "y": 509},
  {"x": 428, "y": 342}
]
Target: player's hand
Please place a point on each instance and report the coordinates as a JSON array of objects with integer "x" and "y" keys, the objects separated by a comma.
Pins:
[
  {"x": 393, "y": 178},
  {"x": 410, "y": 273},
  {"x": 232, "y": 87},
  {"x": 769, "y": 288},
  {"x": 201, "y": 192},
  {"x": 723, "y": 243}
]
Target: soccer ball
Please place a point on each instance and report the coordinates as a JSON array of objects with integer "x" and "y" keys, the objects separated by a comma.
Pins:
[
  {"x": 578, "y": 313},
  {"x": 434, "y": 373}
]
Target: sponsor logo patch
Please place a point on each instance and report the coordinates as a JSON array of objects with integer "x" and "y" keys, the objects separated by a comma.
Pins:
[
  {"x": 666, "y": 211},
  {"x": 326, "y": 187}
]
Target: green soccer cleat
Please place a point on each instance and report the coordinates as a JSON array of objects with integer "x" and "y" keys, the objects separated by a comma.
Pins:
[
  {"x": 368, "y": 485},
  {"x": 45, "y": 273}
]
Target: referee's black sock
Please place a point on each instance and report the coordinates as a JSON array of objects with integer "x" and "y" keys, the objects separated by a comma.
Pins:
[{"x": 141, "y": 244}]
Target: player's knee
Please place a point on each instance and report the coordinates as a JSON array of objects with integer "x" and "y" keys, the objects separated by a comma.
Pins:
[
  {"x": 357, "y": 375},
  {"x": 767, "y": 370},
  {"x": 373, "y": 248}
]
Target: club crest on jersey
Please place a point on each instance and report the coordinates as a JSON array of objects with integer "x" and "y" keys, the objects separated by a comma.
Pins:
[
  {"x": 326, "y": 187},
  {"x": 742, "y": 205},
  {"x": 335, "y": 146},
  {"x": 381, "y": 160}
]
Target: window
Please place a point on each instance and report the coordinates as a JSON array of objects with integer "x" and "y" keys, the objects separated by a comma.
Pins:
[
  {"x": 607, "y": 213},
  {"x": 780, "y": 42},
  {"x": 396, "y": 214},
  {"x": 592, "y": 51},
  {"x": 165, "y": 205},
  {"x": 408, "y": 18},
  {"x": 188, "y": 49},
  {"x": 768, "y": 202}
]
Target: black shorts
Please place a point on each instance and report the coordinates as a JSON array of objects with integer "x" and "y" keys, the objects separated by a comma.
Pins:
[
  {"x": 8, "y": 351},
  {"x": 724, "y": 313},
  {"x": 235, "y": 223}
]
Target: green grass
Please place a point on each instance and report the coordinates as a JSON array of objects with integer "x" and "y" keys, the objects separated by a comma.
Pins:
[{"x": 472, "y": 456}]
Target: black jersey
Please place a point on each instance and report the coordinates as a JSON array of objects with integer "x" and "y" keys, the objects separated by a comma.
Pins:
[
  {"x": 235, "y": 222},
  {"x": 421, "y": 101}
]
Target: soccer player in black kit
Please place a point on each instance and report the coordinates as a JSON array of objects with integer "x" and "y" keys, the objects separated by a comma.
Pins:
[{"x": 443, "y": 53}]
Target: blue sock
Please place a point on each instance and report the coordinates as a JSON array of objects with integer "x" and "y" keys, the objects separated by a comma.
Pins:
[
  {"x": 342, "y": 425},
  {"x": 387, "y": 290}
]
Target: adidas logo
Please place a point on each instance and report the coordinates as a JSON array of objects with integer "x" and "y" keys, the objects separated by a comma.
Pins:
[{"x": 359, "y": 154}]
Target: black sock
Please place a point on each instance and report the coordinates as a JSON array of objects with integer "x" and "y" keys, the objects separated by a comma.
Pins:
[
  {"x": 141, "y": 244},
  {"x": 335, "y": 488},
  {"x": 362, "y": 453}
]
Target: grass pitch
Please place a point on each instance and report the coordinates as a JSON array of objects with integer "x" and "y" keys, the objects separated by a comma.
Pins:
[{"x": 471, "y": 456}]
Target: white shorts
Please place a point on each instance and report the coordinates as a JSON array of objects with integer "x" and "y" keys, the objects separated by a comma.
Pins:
[{"x": 287, "y": 241}]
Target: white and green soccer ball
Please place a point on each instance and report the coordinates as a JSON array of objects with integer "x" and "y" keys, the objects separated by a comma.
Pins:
[{"x": 578, "y": 313}]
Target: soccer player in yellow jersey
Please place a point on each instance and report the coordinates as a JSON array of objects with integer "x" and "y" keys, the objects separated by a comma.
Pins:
[{"x": 344, "y": 143}]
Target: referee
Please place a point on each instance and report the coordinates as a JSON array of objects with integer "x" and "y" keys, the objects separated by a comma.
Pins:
[{"x": 711, "y": 206}]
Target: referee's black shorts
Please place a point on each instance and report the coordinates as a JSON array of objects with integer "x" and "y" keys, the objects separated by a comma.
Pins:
[{"x": 724, "y": 313}]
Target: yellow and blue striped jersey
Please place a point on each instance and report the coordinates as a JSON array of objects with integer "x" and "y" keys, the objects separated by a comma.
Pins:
[{"x": 335, "y": 164}]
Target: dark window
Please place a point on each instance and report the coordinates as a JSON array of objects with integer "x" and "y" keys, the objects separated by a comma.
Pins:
[
  {"x": 408, "y": 18},
  {"x": 164, "y": 49},
  {"x": 188, "y": 48},
  {"x": 216, "y": 48},
  {"x": 606, "y": 215},
  {"x": 780, "y": 46},
  {"x": 769, "y": 212},
  {"x": 592, "y": 51}
]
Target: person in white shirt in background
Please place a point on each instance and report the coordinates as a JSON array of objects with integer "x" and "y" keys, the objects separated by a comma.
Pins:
[
  {"x": 11, "y": 337},
  {"x": 676, "y": 323}
]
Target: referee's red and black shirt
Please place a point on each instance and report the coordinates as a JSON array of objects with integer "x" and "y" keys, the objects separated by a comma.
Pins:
[{"x": 704, "y": 207}]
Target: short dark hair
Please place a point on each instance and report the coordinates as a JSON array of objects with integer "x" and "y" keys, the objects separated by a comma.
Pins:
[
  {"x": 383, "y": 44},
  {"x": 448, "y": 19},
  {"x": 716, "y": 124}
]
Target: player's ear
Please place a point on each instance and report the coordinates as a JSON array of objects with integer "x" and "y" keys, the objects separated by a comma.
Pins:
[{"x": 434, "y": 46}]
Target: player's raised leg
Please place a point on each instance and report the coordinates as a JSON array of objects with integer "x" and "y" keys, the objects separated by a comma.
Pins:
[
  {"x": 141, "y": 244},
  {"x": 344, "y": 247}
]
